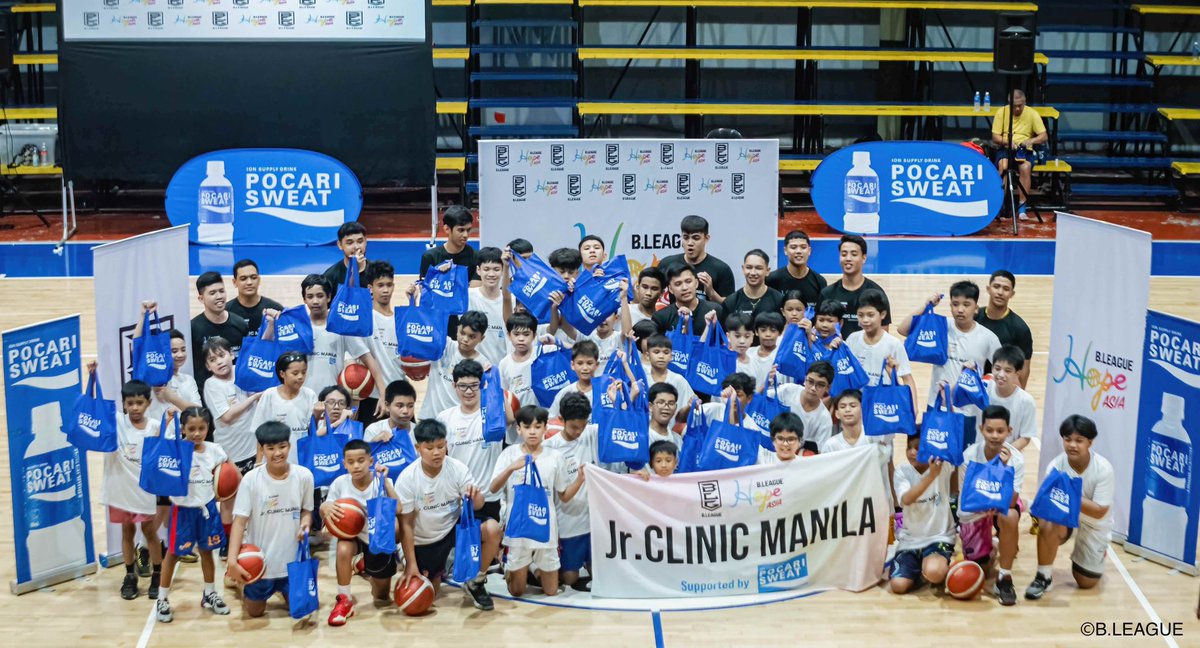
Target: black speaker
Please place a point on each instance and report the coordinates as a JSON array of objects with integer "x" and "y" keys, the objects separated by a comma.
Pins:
[{"x": 1013, "y": 46}]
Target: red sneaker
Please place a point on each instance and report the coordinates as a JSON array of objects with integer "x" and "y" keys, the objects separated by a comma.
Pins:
[{"x": 343, "y": 609}]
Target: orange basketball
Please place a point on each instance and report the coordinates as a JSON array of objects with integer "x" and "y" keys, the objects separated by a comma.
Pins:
[
  {"x": 553, "y": 427},
  {"x": 250, "y": 558},
  {"x": 964, "y": 581},
  {"x": 354, "y": 519},
  {"x": 226, "y": 479},
  {"x": 357, "y": 380},
  {"x": 414, "y": 368},
  {"x": 414, "y": 598},
  {"x": 513, "y": 401}
]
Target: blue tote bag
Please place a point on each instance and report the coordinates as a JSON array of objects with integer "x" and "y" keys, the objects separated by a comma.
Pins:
[
  {"x": 349, "y": 430},
  {"x": 928, "y": 339},
  {"x": 166, "y": 463},
  {"x": 381, "y": 520},
  {"x": 711, "y": 360},
  {"x": 467, "y": 543},
  {"x": 529, "y": 517},
  {"x": 728, "y": 445},
  {"x": 589, "y": 304},
  {"x": 420, "y": 331},
  {"x": 616, "y": 269},
  {"x": 447, "y": 289},
  {"x": 969, "y": 390},
  {"x": 793, "y": 351},
  {"x": 302, "y": 582},
  {"x": 255, "y": 368},
  {"x": 888, "y": 409},
  {"x": 682, "y": 340},
  {"x": 694, "y": 436},
  {"x": 396, "y": 453},
  {"x": 550, "y": 372},
  {"x": 847, "y": 372},
  {"x": 151, "y": 361},
  {"x": 93, "y": 420},
  {"x": 350, "y": 310},
  {"x": 623, "y": 436},
  {"x": 293, "y": 331},
  {"x": 322, "y": 455},
  {"x": 763, "y": 409},
  {"x": 532, "y": 284},
  {"x": 987, "y": 487},
  {"x": 941, "y": 434},
  {"x": 491, "y": 400},
  {"x": 1058, "y": 499},
  {"x": 819, "y": 349}
]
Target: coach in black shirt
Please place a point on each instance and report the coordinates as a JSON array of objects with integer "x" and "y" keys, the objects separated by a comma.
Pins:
[
  {"x": 715, "y": 276},
  {"x": 352, "y": 241},
  {"x": 999, "y": 319},
  {"x": 796, "y": 275},
  {"x": 852, "y": 251},
  {"x": 683, "y": 283},
  {"x": 214, "y": 321},
  {"x": 249, "y": 305}
]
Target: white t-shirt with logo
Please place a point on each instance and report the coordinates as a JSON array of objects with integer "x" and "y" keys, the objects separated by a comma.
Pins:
[
  {"x": 883, "y": 451},
  {"x": 200, "y": 480},
  {"x": 572, "y": 388},
  {"x": 182, "y": 384},
  {"x": 553, "y": 468},
  {"x": 123, "y": 469},
  {"x": 343, "y": 486},
  {"x": 383, "y": 345},
  {"x": 295, "y": 413},
  {"x": 328, "y": 358},
  {"x": 272, "y": 508},
  {"x": 1022, "y": 412},
  {"x": 760, "y": 366},
  {"x": 975, "y": 453},
  {"x": 440, "y": 393},
  {"x": 927, "y": 520},
  {"x": 573, "y": 517},
  {"x": 237, "y": 438},
  {"x": 495, "y": 342},
  {"x": 376, "y": 430},
  {"x": 464, "y": 441},
  {"x": 671, "y": 436},
  {"x": 818, "y": 424},
  {"x": 684, "y": 391},
  {"x": 436, "y": 500},
  {"x": 872, "y": 356},
  {"x": 608, "y": 346},
  {"x": 977, "y": 345},
  {"x": 1099, "y": 483}
]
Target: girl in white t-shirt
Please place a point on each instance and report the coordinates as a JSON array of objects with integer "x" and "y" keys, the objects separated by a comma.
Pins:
[{"x": 290, "y": 403}]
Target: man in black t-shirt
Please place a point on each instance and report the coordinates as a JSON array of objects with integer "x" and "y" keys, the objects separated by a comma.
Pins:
[
  {"x": 1007, "y": 325},
  {"x": 352, "y": 241},
  {"x": 852, "y": 252},
  {"x": 683, "y": 282},
  {"x": 249, "y": 304},
  {"x": 214, "y": 321},
  {"x": 755, "y": 297},
  {"x": 456, "y": 224},
  {"x": 796, "y": 275},
  {"x": 715, "y": 276}
]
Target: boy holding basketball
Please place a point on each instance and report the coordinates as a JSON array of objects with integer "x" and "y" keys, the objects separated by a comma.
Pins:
[
  {"x": 431, "y": 493},
  {"x": 360, "y": 483},
  {"x": 925, "y": 542},
  {"x": 273, "y": 510}
]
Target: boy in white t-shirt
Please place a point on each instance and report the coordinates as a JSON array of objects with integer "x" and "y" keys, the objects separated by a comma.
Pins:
[
  {"x": 657, "y": 351},
  {"x": 432, "y": 493},
  {"x": 330, "y": 350},
  {"x": 591, "y": 252},
  {"x": 664, "y": 403},
  {"x": 585, "y": 362},
  {"x": 273, "y": 511},
  {"x": 195, "y": 524},
  {"x": 487, "y": 298},
  {"x": 874, "y": 347},
  {"x": 1005, "y": 389},
  {"x": 807, "y": 401},
  {"x": 440, "y": 393},
  {"x": 739, "y": 328},
  {"x": 976, "y": 528},
  {"x": 1095, "y": 510},
  {"x": 383, "y": 344},
  {"x": 400, "y": 398},
  {"x": 525, "y": 554},
  {"x": 925, "y": 542},
  {"x": 647, "y": 291},
  {"x": 233, "y": 412},
  {"x": 362, "y": 482},
  {"x": 848, "y": 406},
  {"x": 290, "y": 402},
  {"x": 768, "y": 327},
  {"x": 129, "y": 505},
  {"x": 787, "y": 431}
]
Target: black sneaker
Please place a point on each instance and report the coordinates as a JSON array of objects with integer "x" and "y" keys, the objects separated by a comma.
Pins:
[
  {"x": 129, "y": 587},
  {"x": 1037, "y": 588},
  {"x": 189, "y": 558},
  {"x": 584, "y": 584},
  {"x": 152, "y": 591},
  {"x": 1004, "y": 590},
  {"x": 224, "y": 553},
  {"x": 143, "y": 562},
  {"x": 479, "y": 594}
]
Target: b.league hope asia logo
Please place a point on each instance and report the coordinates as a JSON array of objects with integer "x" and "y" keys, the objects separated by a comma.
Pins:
[{"x": 1100, "y": 383}]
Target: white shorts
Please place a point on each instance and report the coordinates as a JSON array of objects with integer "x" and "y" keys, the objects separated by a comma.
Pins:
[
  {"x": 544, "y": 559},
  {"x": 1090, "y": 547}
]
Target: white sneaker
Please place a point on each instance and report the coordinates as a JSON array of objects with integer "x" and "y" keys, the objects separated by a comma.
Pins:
[
  {"x": 213, "y": 601},
  {"x": 163, "y": 607}
]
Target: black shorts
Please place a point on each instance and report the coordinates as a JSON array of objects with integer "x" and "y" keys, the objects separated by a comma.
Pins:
[
  {"x": 246, "y": 465},
  {"x": 490, "y": 511},
  {"x": 161, "y": 500},
  {"x": 431, "y": 558},
  {"x": 366, "y": 411},
  {"x": 381, "y": 566}
]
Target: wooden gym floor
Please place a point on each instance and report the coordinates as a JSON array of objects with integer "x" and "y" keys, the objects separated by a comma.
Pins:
[{"x": 89, "y": 611}]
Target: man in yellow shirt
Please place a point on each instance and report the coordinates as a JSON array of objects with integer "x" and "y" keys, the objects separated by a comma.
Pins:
[{"x": 1027, "y": 132}]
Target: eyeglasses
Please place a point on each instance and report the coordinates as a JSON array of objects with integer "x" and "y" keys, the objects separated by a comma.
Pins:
[
  {"x": 786, "y": 440},
  {"x": 659, "y": 403},
  {"x": 468, "y": 387}
]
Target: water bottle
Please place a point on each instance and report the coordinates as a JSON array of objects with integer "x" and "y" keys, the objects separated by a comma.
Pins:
[
  {"x": 44, "y": 156},
  {"x": 987, "y": 102},
  {"x": 1196, "y": 49},
  {"x": 215, "y": 217},
  {"x": 975, "y": 105},
  {"x": 861, "y": 196},
  {"x": 54, "y": 496},
  {"x": 1164, "y": 510}
]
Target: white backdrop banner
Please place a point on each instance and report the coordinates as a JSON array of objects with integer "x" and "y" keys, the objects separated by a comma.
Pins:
[
  {"x": 1101, "y": 292},
  {"x": 150, "y": 266},
  {"x": 820, "y": 523},
  {"x": 631, "y": 193}
]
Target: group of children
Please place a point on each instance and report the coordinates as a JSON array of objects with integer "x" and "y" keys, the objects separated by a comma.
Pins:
[{"x": 456, "y": 465}]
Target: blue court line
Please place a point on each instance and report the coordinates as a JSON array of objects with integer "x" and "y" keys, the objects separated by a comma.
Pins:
[
  {"x": 656, "y": 619},
  {"x": 887, "y": 256}
]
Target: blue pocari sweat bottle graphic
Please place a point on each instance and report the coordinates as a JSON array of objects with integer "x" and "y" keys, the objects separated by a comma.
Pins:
[
  {"x": 861, "y": 196},
  {"x": 1164, "y": 510},
  {"x": 215, "y": 207},
  {"x": 54, "y": 503}
]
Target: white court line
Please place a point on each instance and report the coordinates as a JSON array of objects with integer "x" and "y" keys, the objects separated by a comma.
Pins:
[
  {"x": 1137, "y": 592},
  {"x": 152, "y": 619}
]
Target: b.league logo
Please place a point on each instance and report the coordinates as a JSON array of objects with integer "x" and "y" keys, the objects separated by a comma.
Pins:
[
  {"x": 666, "y": 154},
  {"x": 502, "y": 155},
  {"x": 519, "y": 186}
]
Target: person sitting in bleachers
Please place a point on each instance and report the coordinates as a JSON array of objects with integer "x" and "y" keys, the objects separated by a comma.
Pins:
[{"x": 1028, "y": 131}]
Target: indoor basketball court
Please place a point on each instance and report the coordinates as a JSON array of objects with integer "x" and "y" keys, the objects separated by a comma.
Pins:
[{"x": 1047, "y": 148}]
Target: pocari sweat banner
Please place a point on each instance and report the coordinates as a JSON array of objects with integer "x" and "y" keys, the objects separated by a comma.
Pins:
[
  {"x": 1164, "y": 513},
  {"x": 263, "y": 197},
  {"x": 52, "y": 521},
  {"x": 929, "y": 188}
]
